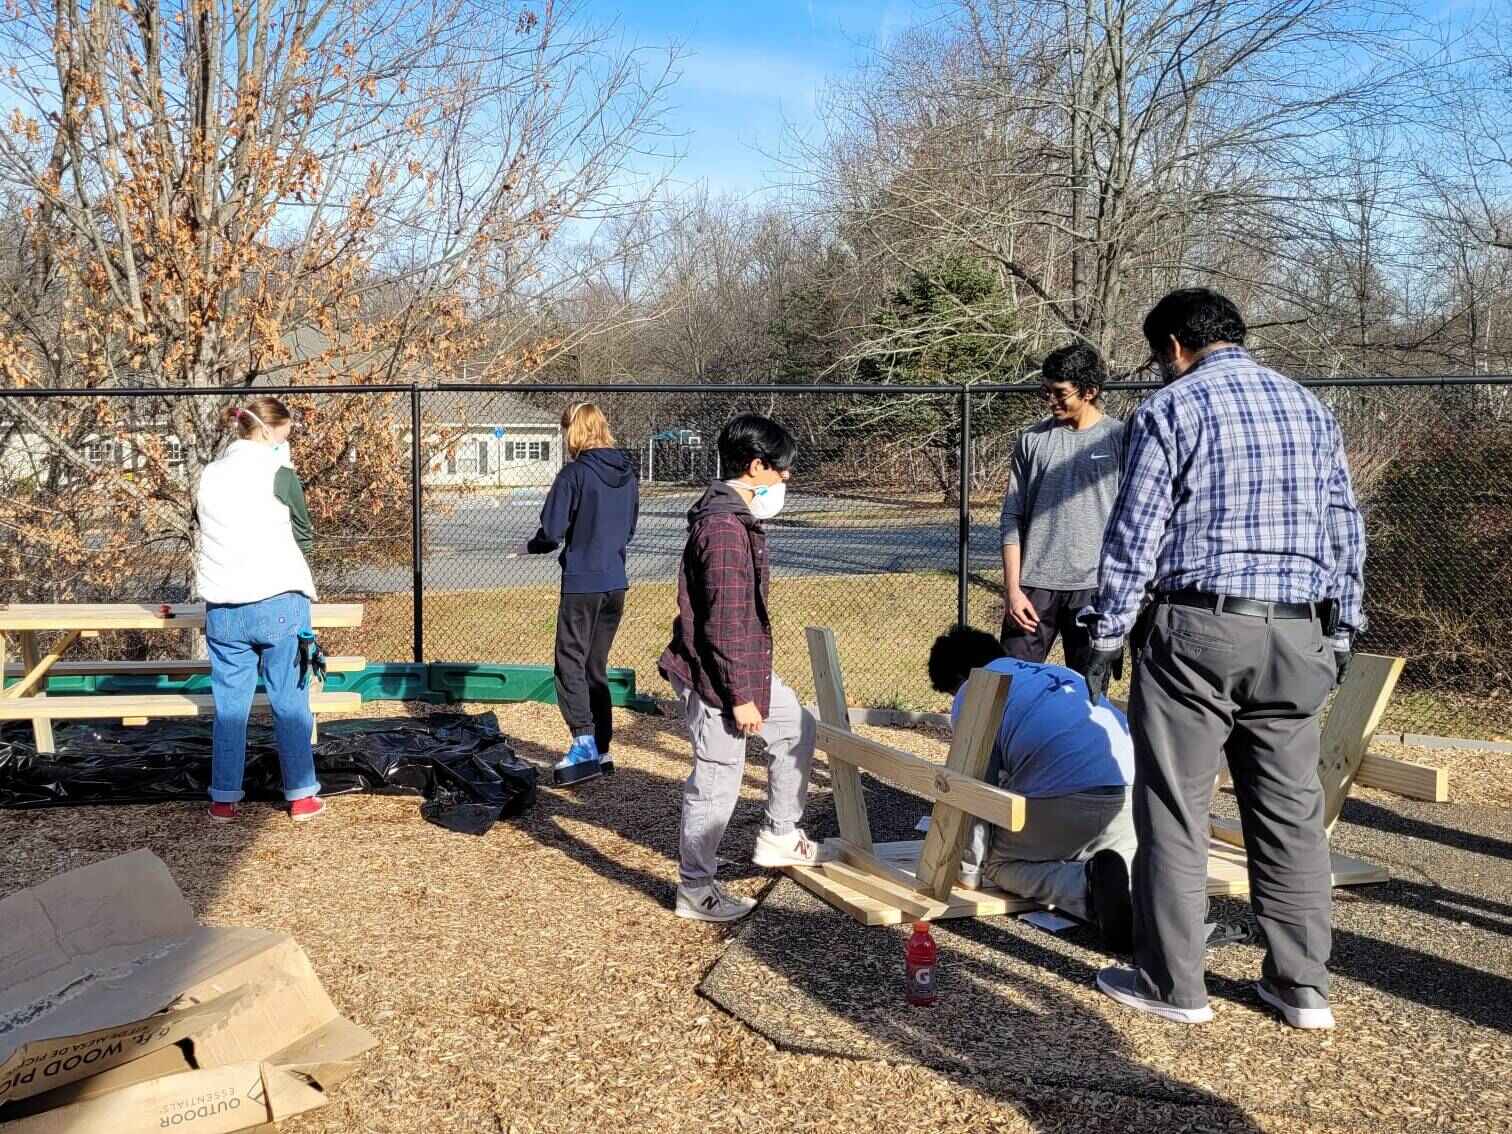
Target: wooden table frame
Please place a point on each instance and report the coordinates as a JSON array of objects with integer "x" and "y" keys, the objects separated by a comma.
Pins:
[
  {"x": 885, "y": 883},
  {"x": 882, "y": 884},
  {"x": 85, "y": 620}
]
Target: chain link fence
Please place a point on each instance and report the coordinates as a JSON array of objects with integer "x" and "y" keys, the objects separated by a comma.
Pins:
[
  {"x": 96, "y": 492},
  {"x": 1430, "y": 464},
  {"x": 866, "y": 544}
]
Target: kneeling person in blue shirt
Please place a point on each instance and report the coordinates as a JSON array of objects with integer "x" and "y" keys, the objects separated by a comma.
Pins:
[{"x": 1074, "y": 762}]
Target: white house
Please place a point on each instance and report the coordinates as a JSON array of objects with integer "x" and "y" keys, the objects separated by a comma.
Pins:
[
  {"x": 25, "y": 455},
  {"x": 505, "y": 442}
]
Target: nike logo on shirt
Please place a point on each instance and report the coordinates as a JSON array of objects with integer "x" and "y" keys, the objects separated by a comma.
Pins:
[{"x": 1098, "y": 456}]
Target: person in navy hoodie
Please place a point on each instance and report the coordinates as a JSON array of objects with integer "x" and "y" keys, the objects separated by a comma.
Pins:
[{"x": 591, "y": 508}]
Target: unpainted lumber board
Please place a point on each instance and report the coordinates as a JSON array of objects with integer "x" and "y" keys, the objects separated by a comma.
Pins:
[
  {"x": 845, "y": 779},
  {"x": 134, "y": 722},
  {"x": 1227, "y": 831},
  {"x": 172, "y": 667},
  {"x": 36, "y": 674},
  {"x": 870, "y": 911},
  {"x": 903, "y": 897},
  {"x": 1228, "y": 872},
  {"x": 970, "y": 752},
  {"x": 923, "y": 778},
  {"x": 865, "y": 909},
  {"x": 42, "y": 729},
  {"x": 1351, "y": 723},
  {"x": 146, "y": 616},
  {"x": 151, "y": 706},
  {"x": 1415, "y": 781},
  {"x": 901, "y": 865},
  {"x": 1348, "y": 871},
  {"x": 1348, "y": 728},
  {"x": 903, "y": 853}
]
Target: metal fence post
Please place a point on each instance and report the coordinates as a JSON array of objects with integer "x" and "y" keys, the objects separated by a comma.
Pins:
[
  {"x": 963, "y": 565},
  {"x": 417, "y": 555}
]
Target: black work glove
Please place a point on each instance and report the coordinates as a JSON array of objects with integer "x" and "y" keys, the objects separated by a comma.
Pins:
[
  {"x": 1103, "y": 668},
  {"x": 1341, "y": 665},
  {"x": 312, "y": 659},
  {"x": 538, "y": 544}
]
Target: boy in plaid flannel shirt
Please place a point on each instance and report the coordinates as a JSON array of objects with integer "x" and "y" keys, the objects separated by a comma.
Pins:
[{"x": 719, "y": 663}]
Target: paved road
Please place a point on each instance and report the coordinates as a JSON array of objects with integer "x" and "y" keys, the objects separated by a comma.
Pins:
[{"x": 468, "y": 548}]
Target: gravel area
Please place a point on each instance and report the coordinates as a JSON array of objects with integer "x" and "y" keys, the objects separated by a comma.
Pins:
[{"x": 535, "y": 979}]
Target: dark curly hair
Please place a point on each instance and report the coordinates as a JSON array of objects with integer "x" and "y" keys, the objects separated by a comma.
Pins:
[
  {"x": 1078, "y": 364},
  {"x": 1196, "y": 317},
  {"x": 956, "y": 653}
]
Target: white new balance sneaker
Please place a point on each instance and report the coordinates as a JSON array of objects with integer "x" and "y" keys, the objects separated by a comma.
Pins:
[
  {"x": 711, "y": 902},
  {"x": 792, "y": 849}
]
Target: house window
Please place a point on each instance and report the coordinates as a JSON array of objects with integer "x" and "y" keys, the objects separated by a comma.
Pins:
[
  {"x": 174, "y": 451},
  {"x": 101, "y": 454},
  {"x": 483, "y": 457},
  {"x": 539, "y": 450},
  {"x": 451, "y": 461}
]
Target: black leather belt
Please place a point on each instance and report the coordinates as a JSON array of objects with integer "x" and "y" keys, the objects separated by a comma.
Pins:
[{"x": 1233, "y": 604}]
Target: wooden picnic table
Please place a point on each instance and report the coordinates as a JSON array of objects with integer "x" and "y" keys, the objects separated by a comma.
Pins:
[{"x": 88, "y": 620}]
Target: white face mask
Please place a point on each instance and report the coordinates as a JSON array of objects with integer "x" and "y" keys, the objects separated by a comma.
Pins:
[{"x": 766, "y": 499}]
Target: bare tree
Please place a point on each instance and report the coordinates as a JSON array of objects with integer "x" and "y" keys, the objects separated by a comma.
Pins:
[
  {"x": 1098, "y": 152},
  {"x": 218, "y": 192}
]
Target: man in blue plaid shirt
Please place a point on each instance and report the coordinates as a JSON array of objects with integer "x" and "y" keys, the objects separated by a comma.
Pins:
[{"x": 1236, "y": 513}]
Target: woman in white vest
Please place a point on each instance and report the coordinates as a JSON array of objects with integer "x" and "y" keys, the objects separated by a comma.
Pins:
[{"x": 251, "y": 571}]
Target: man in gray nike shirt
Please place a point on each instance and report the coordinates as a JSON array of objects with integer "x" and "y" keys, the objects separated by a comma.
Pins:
[{"x": 1060, "y": 493}]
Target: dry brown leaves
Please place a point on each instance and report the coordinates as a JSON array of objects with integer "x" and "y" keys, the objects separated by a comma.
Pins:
[{"x": 536, "y": 980}]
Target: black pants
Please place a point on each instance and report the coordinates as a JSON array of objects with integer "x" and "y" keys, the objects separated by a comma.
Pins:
[
  {"x": 586, "y": 625},
  {"x": 1057, "y": 612}
]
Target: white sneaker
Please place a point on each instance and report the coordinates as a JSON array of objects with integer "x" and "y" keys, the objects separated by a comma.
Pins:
[
  {"x": 1299, "y": 1007},
  {"x": 792, "y": 849},
  {"x": 711, "y": 903}
]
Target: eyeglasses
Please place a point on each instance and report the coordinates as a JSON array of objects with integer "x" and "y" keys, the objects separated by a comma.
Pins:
[{"x": 1056, "y": 397}]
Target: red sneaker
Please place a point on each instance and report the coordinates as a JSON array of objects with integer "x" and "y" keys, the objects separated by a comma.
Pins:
[
  {"x": 223, "y": 812},
  {"x": 303, "y": 810}
]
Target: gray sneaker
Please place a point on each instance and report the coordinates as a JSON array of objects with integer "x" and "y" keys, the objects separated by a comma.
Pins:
[
  {"x": 1299, "y": 1007},
  {"x": 711, "y": 902},
  {"x": 1123, "y": 986}
]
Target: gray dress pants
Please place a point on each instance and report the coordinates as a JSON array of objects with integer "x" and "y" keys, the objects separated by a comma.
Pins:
[{"x": 1206, "y": 686}]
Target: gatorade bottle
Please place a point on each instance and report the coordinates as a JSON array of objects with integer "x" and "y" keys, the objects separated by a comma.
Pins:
[{"x": 920, "y": 957}]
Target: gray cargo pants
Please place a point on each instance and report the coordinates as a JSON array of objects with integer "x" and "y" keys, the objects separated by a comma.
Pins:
[
  {"x": 713, "y": 787},
  {"x": 1208, "y": 685}
]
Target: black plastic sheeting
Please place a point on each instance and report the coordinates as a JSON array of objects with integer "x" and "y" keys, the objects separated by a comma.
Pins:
[{"x": 463, "y": 766}]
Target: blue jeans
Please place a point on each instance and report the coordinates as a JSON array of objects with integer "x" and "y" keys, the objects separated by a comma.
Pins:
[{"x": 248, "y": 640}]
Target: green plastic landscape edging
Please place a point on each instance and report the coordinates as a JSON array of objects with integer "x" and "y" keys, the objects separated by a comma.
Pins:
[{"x": 437, "y": 683}]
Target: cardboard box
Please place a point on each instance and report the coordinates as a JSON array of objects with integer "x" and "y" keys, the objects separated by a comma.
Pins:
[
  {"x": 105, "y": 966},
  {"x": 219, "y": 1101}
]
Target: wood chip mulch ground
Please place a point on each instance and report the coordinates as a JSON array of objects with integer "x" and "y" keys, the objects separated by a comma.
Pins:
[{"x": 536, "y": 980}]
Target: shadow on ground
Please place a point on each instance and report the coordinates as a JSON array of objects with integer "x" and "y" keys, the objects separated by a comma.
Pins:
[{"x": 1420, "y": 962}]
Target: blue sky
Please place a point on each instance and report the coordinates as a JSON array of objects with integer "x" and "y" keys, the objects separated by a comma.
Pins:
[{"x": 747, "y": 67}]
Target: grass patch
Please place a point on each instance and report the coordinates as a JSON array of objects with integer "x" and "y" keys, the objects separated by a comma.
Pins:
[{"x": 884, "y": 625}]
